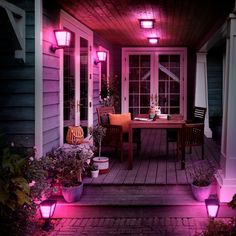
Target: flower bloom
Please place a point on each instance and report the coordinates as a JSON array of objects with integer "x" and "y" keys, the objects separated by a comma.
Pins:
[{"x": 32, "y": 183}]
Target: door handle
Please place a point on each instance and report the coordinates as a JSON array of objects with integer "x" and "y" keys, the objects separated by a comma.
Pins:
[{"x": 78, "y": 104}]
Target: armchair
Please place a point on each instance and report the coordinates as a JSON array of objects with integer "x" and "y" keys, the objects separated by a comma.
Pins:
[{"x": 114, "y": 133}]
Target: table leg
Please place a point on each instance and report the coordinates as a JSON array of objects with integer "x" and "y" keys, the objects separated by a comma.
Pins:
[
  {"x": 182, "y": 149},
  {"x": 130, "y": 149}
]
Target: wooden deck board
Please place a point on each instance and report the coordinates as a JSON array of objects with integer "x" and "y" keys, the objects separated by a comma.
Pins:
[{"x": 152, "y": 166}]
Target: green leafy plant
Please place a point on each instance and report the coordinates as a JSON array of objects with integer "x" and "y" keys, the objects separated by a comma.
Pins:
[
  {"x": 232, "y": 203},
  {"x": 202, "y": 175},
  {"x": 67, "y": 167},
  {"x": 98, "y": 132},
  {"x": 23, "y": 184},
  {"x": 222, "y": 227},
  {"x": 110, "y": 91},
  {"x": 93, "y": 167}
]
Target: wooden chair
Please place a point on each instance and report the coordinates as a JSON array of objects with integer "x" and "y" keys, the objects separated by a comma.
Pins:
[
  {"x": 114, "y": 134},
  {"x": 198, "y": 117},
  {"x": 194, "y": 136},
  {"x": 115, "y": 137}
]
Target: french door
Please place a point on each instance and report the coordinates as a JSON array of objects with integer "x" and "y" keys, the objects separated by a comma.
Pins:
[
  {"x": 75, "y": 80},
  {"x": 155, "y": 77}
]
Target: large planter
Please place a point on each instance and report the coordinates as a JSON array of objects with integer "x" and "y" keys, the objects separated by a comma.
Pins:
[
  {"x": 72, "y": 194},
  {"x": 102, "y": 163},
  {"x": 201, "y": 193}
]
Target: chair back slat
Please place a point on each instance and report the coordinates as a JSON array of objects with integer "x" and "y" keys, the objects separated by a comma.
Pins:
[
  {"x": 103, "y": 111},
  {"x": 199, "y": 114}
]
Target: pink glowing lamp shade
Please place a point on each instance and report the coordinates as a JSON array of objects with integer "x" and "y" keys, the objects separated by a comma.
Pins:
[
  {"x": 146, "y": 24},
  {"x": 101, "y": 55},
  {"x": 47, "y": 208},
  {"x": 63, "y": 38},
  {"x": 212, "y": 206}
]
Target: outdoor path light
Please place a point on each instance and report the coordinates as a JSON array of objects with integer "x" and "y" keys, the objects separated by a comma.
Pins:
[
  {"x": 212, "y": 206},
  {"x": 47, "y": 208}
]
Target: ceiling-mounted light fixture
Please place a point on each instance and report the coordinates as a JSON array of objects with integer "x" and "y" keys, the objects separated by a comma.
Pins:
[
  {"x": 101, "y": 55},
  {"x": 146, "y": 23},
  {"x": 153, "y": 40},
  {"x": 63, "y": 38}
]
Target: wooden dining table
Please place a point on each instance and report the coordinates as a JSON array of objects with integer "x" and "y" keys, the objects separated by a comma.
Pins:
[{"x": 142, "y": 122}]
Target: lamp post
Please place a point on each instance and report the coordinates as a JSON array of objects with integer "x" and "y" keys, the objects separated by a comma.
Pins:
[{"x": 47, "y": 208}]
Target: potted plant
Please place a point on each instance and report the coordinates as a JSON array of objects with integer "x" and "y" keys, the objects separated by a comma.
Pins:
[
  {"x": 202, "y": 178},
  {"x": 66, "y": 168},
  {"x": 94, "y": 170},
  {"x": 98, "y": 132}
]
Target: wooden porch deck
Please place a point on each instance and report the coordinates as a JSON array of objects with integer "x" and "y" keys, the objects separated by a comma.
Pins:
[{"x": 152, "y": 166}]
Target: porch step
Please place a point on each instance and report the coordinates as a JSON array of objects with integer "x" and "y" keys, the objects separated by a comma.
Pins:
[
  {"x": 136, "y": 195},
  {"x": 116, "y": 201}
]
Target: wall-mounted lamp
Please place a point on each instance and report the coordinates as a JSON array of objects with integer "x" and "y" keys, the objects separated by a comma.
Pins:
[
  {"x": 47, "y": 208},
  {"x": 212, "y": 206},
  {"x": 63, "y": 38},
  {"x": 101, "y": 55},
  {"x": 153, "y": 40},
  {"x": 146, "y": 23}
]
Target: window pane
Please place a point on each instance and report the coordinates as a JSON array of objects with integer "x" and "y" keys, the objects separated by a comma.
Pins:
[{"x": 134, "y": 61}]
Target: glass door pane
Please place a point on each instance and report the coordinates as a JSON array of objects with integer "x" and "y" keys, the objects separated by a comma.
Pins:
[
  {"x": 69, "y": 85},
  {"x": 139, "y": 84},
  {"x": 84, "y": 83},
  {"x": 169, "y": 83}
]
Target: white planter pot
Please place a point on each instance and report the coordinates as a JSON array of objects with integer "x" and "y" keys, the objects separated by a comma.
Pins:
[
  {"x": 102, "y": 163},
  {"x": 94, "y": 173},
  {"x": 201, "y": 193},
  {"x": 72, "y": 194}
]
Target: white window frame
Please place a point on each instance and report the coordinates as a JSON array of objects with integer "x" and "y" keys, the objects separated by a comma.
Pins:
[
  {"x": 71, "y": 23},
  {"x": 100, "y": 48},
  {"x": 154, "y": 52}
]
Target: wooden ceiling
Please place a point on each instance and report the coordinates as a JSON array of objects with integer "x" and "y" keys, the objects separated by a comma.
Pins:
[{"x": 177, "y": 22}]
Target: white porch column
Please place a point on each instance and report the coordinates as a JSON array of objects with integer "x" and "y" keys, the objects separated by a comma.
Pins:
[
  {"x": 226, "y": 176},
  {"x": 201, "y": 89}
]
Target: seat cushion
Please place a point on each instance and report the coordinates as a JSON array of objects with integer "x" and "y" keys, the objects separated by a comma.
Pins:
[{"x": 121, "y": 119}]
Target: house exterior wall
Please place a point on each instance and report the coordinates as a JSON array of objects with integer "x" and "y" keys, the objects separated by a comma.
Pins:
[
  {"x": 114, "y": 65},
  {"x": 51, "y": 85},
  {"x": 215, "y": 81},
  {"x": 17, "y": 84}
]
